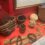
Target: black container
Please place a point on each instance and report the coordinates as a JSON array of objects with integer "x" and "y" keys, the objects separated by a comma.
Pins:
[{"x": 21, "y": 19}]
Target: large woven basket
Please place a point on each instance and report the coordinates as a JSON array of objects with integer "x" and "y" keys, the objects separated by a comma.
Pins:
[{"x": 7, "y": 26}]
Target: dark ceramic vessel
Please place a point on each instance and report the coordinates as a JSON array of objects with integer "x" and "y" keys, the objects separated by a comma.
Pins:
[{"x": 21, "y": 19}]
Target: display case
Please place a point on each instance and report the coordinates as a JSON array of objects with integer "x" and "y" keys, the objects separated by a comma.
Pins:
[{"x": 27, "y": 28}]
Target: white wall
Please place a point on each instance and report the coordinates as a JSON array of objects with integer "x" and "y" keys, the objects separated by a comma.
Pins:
[{"x": 28, "y": 2}]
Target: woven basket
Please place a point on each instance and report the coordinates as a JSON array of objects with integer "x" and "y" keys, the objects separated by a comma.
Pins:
[{"x": 8, "y": 27}]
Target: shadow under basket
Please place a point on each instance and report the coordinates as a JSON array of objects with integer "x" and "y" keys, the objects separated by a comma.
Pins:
[{"x": 7, "y": 25}]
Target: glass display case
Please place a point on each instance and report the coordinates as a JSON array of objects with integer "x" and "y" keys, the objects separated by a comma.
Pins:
[{"x": 26, "y": 30}]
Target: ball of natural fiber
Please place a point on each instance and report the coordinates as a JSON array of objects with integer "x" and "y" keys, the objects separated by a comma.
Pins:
[{"x": 34, "y": 17}]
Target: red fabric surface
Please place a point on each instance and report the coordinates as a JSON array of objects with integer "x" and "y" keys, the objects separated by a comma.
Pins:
[
  {"x": 26, "y": 12},
  {"x": 5, "y": 5}
]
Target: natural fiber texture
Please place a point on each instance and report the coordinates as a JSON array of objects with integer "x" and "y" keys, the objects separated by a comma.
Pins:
[{"x": 6, "y": 26}]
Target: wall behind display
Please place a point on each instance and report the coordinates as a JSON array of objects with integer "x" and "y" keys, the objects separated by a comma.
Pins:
[{"x": 28, "y": 2}]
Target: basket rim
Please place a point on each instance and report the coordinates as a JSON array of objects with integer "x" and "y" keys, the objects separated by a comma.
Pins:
[{"x": 7, "y": 23}]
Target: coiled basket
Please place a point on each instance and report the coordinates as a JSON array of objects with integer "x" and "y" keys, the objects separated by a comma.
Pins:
[{"x": 7, "y": 25}]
